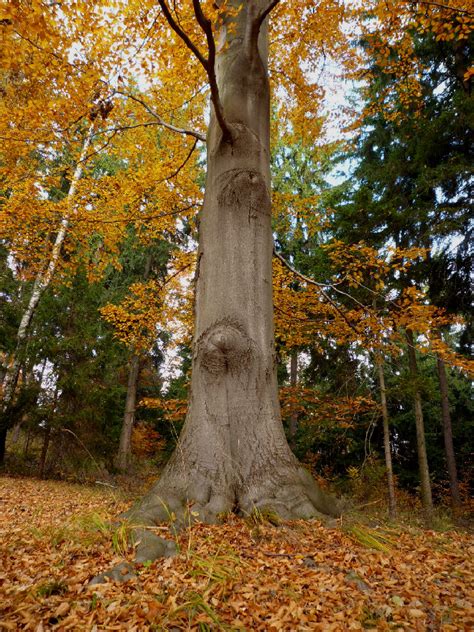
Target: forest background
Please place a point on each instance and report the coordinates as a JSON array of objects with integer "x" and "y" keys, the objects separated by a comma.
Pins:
[{"x": 103, "y": 167}]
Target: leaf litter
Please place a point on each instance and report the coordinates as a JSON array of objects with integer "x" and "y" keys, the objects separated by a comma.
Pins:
[{"x": 241, "y": 575}]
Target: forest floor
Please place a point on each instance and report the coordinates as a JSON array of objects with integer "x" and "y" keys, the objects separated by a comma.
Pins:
[{"x": 242, "y": 575}]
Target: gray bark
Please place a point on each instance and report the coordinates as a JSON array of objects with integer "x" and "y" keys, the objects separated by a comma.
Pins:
[
  {"x": 392, "y": 503},
  {"x": 425, "y": 483},
  {"x": 293, "y": 382},
  {"x": 448, "y": 435},
  {"x": 124, "y": 451},
  {"x": 44, "y": 449},
  {"x": 232, "y": 453}
]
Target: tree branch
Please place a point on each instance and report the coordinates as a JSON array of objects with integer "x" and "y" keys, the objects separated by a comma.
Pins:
[
  {"x": 439, "y": 5},
  {"x": 266, "y": 12},
  {"x": 320, "y": 286},
  {"x": 43, "y": 50},
  {"x": 179, "y": 31},
  {"x": 131, "y": 220},
  {"x": 206, "y": 26},
  {"x": 183, "y": 164},
  {"x": 256, "y": 23},
  {"x": 160, "y": 121},
  {"x": 208, "y": 64}
]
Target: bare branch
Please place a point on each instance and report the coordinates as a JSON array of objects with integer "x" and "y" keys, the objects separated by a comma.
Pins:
[
  {"x": 320, "y": 286},
  {"x": 114, "y": 131},
  {"x": 288, "y": 265},
  {"x": 160, "y": 121},
  {"x": 179, "y": 31},
  {"x": 208, "y": 64},
  {"x": 206, "y": 26},
  {"x": 267, "y": 11},
  {"x": 131, "y": 220},
  {"x": 183, "y": 164},
  {"x": 439, "y": 5}
]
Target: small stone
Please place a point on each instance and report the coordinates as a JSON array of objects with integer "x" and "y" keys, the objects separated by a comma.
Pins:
[
  {"x": 309, "y": 562},
  {"x": 123, "y": 572},
  {"x": 360, "y": 583}
]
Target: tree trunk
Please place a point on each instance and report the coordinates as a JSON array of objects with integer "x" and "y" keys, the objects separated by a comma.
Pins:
[
  {"x": 3, "y": 443},
  {"x": 293, "y": 383},
  {"x": 448, "y": 435},
  {"x": 26, "y": 446},
  {"x": 47, "y": 436},
  {"x": 44, "y": 449},
  {"x": 425, "y": 483},
  {"x": 28, "y": 378},
  {"x": 232, "y": 453},
  {"x": 125, "y": 445},
  {"x": 42, "y": 281},
  {"x": 392, "y": 504},
  {"x": 124, "y": 451}
]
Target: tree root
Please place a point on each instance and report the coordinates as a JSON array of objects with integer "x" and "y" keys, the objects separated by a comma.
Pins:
[
  {"x": 148, "y": 547},
  {"x": 297, "y": 497}
]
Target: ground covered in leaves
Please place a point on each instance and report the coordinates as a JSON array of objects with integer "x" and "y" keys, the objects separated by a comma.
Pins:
[{"x": 242, "y": 575}]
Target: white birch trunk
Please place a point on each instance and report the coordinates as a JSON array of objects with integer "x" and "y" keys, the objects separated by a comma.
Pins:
[{"x": 43, "y": 279}]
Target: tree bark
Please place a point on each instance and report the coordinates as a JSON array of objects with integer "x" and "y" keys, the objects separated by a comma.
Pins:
[
  {"x": 392, "y": 503},
  {"x": 293, "y": 383},
  {"x": 124, "y": 451},
  {"x": 44, "y": 449},
  {"x": 232, "y": 453},
  {"x": 3, "y": 443},
  {"x": 125, "y": 444},
  {"x": 425, "y": 483},
  {"x": 448, "y": 435},
  {"x": 47, "y": 436}
]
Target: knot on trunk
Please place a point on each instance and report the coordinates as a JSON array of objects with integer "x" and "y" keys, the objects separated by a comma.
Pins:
[
  {"x": 244, "y": 189},
  {"x": 225, "y": 347}
]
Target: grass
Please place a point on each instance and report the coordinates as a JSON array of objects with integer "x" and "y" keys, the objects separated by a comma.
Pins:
[
  {"x": 371, "y": 538},
  {"x": 53, "y": 587}
]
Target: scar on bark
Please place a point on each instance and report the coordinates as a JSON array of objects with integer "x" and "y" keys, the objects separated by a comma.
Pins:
[
  {"x": 225, "y": 347},
  {"x": 243, "y": 188}
]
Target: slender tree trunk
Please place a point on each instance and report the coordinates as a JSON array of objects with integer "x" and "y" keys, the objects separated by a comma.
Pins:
[
  {"x": 47, "y": 435},
  {"x": 425, "y": 483},
  {"x": 293, "y": 383},
  {"x": 16, "y": 430},
  {"x": 28, "y": 378},
  {"x": 42, "y": 281},
  {"x": 232, "y": 453},
  {"x": 392, "y": 503},
  {"x": 125, "y": 445},
  {"x": 26, "y": 446},
  {"x": 448, "y": 435},
  {"x": 3, "y": 442},
  {"x": 44, "y": 449},
  {"x": 124, "y": 451}
]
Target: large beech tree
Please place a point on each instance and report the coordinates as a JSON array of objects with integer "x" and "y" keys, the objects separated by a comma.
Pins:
[{"x": 233, "y": 453}]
